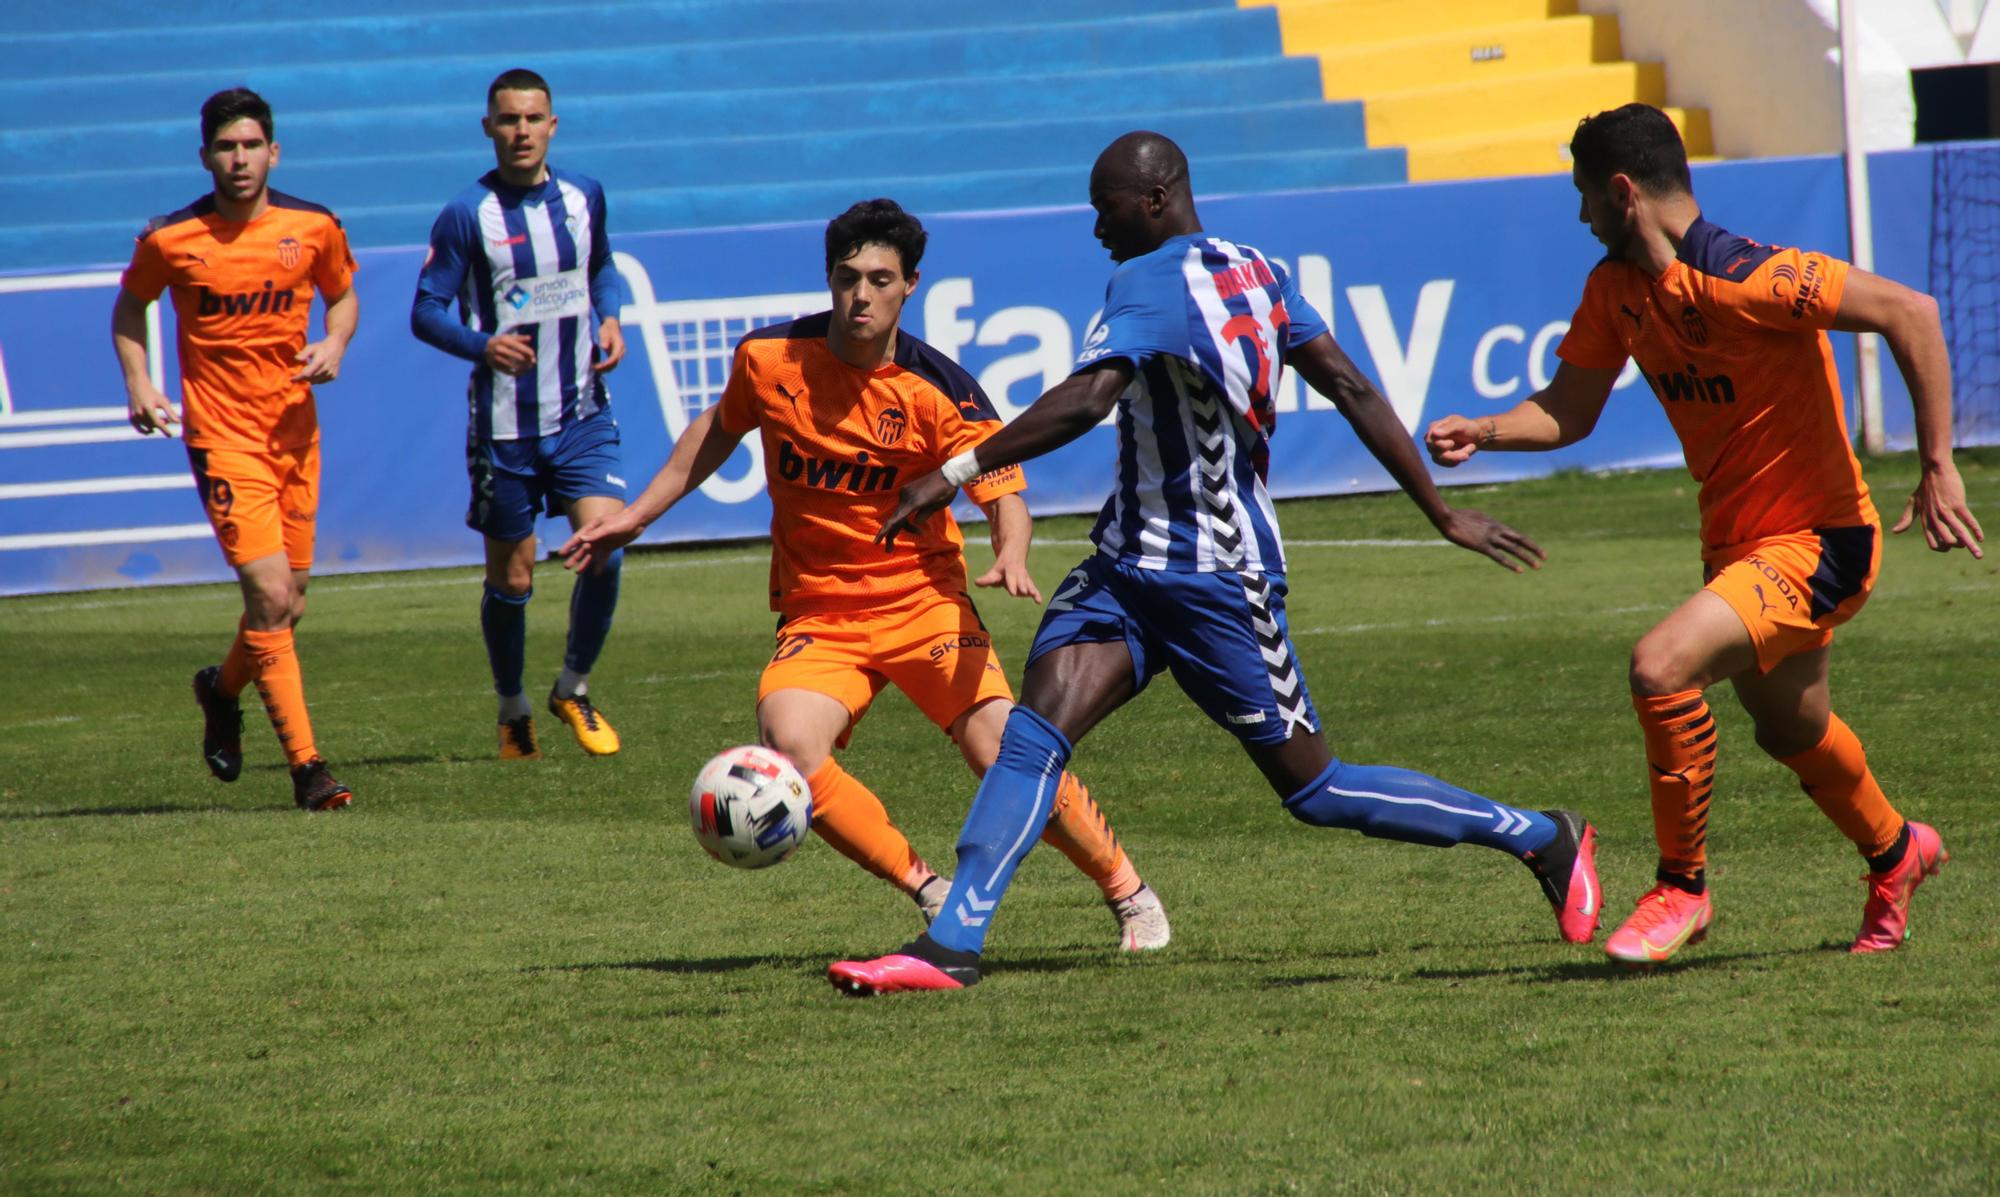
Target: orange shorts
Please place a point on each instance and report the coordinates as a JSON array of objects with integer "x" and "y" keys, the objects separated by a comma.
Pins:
[
  {"x": 260, "y": 503},
  {"x": 936, "y": 651},
  {"x": 1792, "y": 591}
]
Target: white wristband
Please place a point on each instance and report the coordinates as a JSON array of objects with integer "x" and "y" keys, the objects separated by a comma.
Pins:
[{"x": 961, "y": 469}]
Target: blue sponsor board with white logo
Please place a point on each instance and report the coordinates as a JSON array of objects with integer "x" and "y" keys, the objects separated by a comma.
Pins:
[{"x": 1452, "y": 297}]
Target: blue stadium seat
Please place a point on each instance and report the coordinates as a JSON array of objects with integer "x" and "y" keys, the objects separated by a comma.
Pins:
[{"x": 694, "y": 113}]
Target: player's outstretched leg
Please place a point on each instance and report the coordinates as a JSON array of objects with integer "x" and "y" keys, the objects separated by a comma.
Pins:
[
  {"x": 848, "y": 815},
  {"x": 1078, "y": 829},
  {"x": 1400, "y": 804},
  {"x": 222, "y": 724},
  {"x": 503, "y": 621},
  {"x": 1009, "y": 812},
  {"x": 591, "y": 603}
]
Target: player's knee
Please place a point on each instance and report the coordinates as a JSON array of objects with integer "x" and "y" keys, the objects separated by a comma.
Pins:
[
  {"x": 1657, "y": 671},
  {"x": 512, "y": 583},
  {"x": 803, "y": 749},
  {"x": 1781, "y": 738}
]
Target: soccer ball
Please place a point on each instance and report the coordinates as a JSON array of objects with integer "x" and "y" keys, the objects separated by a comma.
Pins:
[{"x": 750, "y": 808}]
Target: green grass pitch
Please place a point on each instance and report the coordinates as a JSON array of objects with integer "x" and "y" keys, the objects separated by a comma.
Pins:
[{"x": 494, "y": 978}]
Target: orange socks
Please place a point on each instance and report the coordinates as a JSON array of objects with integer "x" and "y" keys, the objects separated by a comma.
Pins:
[
  {"x": 1079, "y": 830},
  {"x": 1680, "y": 764},
  {"x": 237, "y": 669},
  {"x": 276, "y": 669},
  {"x": 1835, "y": 775},
  {"x": 849, "y": 816}
]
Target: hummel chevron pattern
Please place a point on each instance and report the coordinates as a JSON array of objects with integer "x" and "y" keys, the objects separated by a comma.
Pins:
[
  {"x": 1512, "y": 822},
  {"x": 1212, "y": 450},
  {"x": 972, "y": 912},
  {"x": 1278, "y": 660}
]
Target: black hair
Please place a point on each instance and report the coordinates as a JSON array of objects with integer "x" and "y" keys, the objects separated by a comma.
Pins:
[
  {"x": 876, "y": 222},
  {"x": 225, "y": 108},
  {"x": 1637, "y": 141},
  {"x": 518, "y": 79}
]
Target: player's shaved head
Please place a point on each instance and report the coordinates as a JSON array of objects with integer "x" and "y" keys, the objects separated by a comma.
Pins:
[
  {"x": 1143, "y": 160},
  {"x": 1140, "y": 189}
]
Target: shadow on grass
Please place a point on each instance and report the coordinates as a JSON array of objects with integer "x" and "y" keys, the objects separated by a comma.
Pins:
[
  {"x": 816, "y": 963},
  {"x": 411, "y": 758},
  {"x": 163, "y": 808},
  {"x": 1606, "y": 969}
]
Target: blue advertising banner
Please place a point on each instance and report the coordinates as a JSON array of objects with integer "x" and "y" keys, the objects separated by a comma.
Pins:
[{"x": 1452, "y": 297}]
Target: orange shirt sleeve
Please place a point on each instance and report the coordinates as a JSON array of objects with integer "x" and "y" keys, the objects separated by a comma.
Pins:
[
  {"x": 1592, "y": 342},
  {"x": 148, "y": 274},
  {"x": 739, "y": 395},
  {"x": 954, "y": 434},
  {"x": 333, "y": 265},
  {"x": 1791, "y": 290}
]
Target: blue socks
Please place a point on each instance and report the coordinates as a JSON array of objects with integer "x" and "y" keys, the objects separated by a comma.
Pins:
[
  {"x": 1399, "y": 804},
  {"x": 1007, "y": 817},
  {"x": 503, "y": 619},
  {"x": 591, "y": 603}
]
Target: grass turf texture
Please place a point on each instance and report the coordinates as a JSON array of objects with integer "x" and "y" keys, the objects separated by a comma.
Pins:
[{"x": 498, "y": 978}]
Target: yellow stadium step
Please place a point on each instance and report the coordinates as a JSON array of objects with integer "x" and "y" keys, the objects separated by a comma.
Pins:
[
  {"x": 1537, "y": 150},
  {"x": 1316, "y": 26},
  {"x": 1545, "y": 98},
  {"x": 1468, "y": 56}
]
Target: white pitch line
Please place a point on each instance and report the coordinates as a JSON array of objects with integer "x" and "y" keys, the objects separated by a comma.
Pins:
[{"x": 96, "y": 486}]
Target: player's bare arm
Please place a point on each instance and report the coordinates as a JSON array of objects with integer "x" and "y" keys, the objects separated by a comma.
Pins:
[
  {"x": 1071, "y": 408},
  {"x": 319, "y": 362},
  {"x": 146, "y": 407},
  {"x": 698, "y": 453},
  {"x": 509, "y": 353},
  {"x": 1908, "y": 321},
  {"x": 611, "y": 343},
  {"x": 1012, "y": 528},
  {"x": 1326, "y": 367},
  {"x": 1562, "y": 413}
]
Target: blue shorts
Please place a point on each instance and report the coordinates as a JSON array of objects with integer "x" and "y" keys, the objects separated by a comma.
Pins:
[
  {"x": 515, "y": 481},
  {"x": 1223, "y": 636}
]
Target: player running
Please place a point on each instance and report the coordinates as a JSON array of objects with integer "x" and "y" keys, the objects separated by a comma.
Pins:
[
  {"x": 1189, "y": 573},
  {"x": 846, "y": 406},
  {"x": 1731, "y": 336},
  {"x": 242, "y": 264},
  {"x": 525, "y": 255}
]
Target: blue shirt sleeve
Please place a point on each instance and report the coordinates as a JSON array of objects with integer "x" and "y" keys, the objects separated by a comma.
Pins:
[
  {"x": 607, "y": 288},
  {"x": 452, "y": 239},
  {"x": 1306, "y": 322},
  {"x": 1145, "y": 314}
]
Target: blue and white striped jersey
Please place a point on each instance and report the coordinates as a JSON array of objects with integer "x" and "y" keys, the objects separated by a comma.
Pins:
[
  {"x": 533, "y": 260},
  {"x": 1206, "y": 324}
]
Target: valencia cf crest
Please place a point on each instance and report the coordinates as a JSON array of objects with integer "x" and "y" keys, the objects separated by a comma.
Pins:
[
  {"x": 1693, "y": 326},
  {"x": 288, "y": 253},
  {"x": 890, "y": 426}
]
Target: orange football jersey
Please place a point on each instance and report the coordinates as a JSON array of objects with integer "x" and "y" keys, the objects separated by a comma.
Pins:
[
  {"x": 839, "y": 444},
  {"x": 1732, "y": 340},
  {"x": 242, "y": 295}
]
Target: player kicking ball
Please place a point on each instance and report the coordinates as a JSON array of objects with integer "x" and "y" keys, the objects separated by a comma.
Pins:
[
  {"x": 1189, "y": 573},
  {"x": 846, "y": 406},
  {"x": 525, "y": 254},
  {"x": 242, "y": 264},
  {"x": 1731, "y": 336}
]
